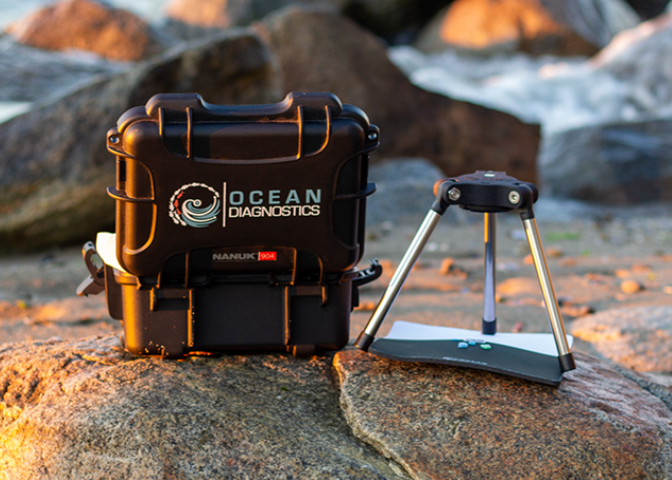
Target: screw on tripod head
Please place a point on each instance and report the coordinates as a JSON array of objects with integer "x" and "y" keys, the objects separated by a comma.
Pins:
[
  {"x": 514, "y": 197},
  {"x": 454, "y": 194}
]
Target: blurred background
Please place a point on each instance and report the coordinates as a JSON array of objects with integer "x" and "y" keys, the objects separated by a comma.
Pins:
[{"x": 574, "y": 95}]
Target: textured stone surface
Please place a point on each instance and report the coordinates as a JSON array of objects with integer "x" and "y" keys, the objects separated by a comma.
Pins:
[
  {"x": 89, "y": 25},
  {"x": 54, "y": 167},
  {"x": 320, "y": 50},
  {"x": 87, "y": 410},
  {"x": 441, "y": 422},
  {"x": 639, "y": 338}
]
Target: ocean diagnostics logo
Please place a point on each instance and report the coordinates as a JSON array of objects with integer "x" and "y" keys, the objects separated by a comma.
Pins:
[{"x": 187, "y": 205}]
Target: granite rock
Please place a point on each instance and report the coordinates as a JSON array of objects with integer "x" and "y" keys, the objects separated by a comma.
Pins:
[
  {"x": 54, "y": 167},
  {"x": 538, "y": 27},
  {"x": 639, "y": 337},
  {"x": 440, "y": 422},
  {"x": 92, "y": 26},
  {"x": 320, "y": 50},
  {"x": 86, "y": 409}
]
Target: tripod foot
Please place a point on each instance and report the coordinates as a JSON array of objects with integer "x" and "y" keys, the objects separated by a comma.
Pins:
[
  {"x": 364, "y": 341},
  {"x": 567, "y": 362}
]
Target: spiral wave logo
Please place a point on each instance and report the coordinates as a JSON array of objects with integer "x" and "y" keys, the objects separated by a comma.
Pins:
[{"x": 195, "y": 205}]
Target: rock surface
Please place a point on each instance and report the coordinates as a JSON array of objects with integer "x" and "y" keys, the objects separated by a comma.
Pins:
[
  {"x": 639, "y": 338},
  {"x": 91, "y": 26},
  {"x": 87, "y": 410},
  {"x": 575, "y": 27},
  {"x": 322, "y": 51},
  {"x": 54, "y": 168},
  {"x": 618, "y": 163},
  {"x": 458, "y": 423}
]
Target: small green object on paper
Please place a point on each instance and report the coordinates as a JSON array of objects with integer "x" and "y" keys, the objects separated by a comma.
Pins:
[{"x": 485, "y": 346}]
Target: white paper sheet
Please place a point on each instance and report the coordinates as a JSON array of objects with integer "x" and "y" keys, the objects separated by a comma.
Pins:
[
  {"x": 106, "y": 246},
  {"x": 543, "y": 343}
]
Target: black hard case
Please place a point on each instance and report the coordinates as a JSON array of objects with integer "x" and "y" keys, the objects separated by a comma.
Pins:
[{"x": 190, "y": 289}]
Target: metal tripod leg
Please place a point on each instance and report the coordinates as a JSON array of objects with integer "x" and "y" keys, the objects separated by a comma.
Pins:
[
  {"x": 565, "y": 355},
  {"x": 489, "y": 326},
  {"x": 405, "y": 266}
]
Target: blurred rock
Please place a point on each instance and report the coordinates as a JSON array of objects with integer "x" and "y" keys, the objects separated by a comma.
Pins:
[
  {"x": 320, "y": 50},
  {"x": 31, "y": 75},
  {"x": 87, "y": 410},
  {"x": 397, "y": 21},
  {"x": 618, "y": 163},
  {"x": 639, "y": 337},
  {"x": 404, "y": 191},
  {"x": 54, "y": 167},
  {"x": 194, "y": 18},
  {"x": 648, "y": 9},
  {"x": 502, "y": 26},
  {"x": 624, "y": 161},
  {"x": 440, "y": 422},
  {"x": 92, "y": 26},
  {"x": 639, "y": 57},
  {"x": 573, "y": 27}
]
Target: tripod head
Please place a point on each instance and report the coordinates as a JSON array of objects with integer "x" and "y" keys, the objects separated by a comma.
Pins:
[{"x": 485, "y": 192}]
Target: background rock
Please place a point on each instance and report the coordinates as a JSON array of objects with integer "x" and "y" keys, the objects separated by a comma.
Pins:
[
  {"x": 443, "y": 422},
  {"x": 91, "y": 26},
  {"x": 394, "y": 20},
  {"x": 32, "y": 75},
  {"x": 620, "y": 163},
  {"x": 87, "y": 410},
  {"x": 639, "y": 338},
  {"x": 648, "y": 9},
  {"x": 319, "y": 50},
  {"x": 397, "y": 21},
  {"x": 54, "y": 165},
  {"x": 575, "y": 27}
]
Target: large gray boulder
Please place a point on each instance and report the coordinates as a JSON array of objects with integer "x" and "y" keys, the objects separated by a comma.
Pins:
[
  {"x": 440, "y": 422},
  {"x": 86, "y": 409},
  {"x": 317, "y": 49},
  {"x": 54, "y": 167}
]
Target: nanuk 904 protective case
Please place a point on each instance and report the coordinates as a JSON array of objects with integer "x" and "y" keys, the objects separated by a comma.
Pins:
[{"x": 238, "y": 227}]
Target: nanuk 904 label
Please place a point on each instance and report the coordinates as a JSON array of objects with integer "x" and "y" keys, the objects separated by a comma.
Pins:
[
  {"x": 245, "y": 257},
  {"x": 199, "y": 205}
]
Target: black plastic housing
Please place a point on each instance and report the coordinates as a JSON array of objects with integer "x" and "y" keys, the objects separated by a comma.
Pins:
[{"x": 239, "y": 227}]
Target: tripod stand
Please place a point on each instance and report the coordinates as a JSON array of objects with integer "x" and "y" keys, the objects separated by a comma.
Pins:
[{"x": 488, "y": 193}]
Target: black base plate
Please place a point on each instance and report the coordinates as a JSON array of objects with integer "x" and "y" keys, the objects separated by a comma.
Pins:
[{"x": 503, "y": 359}]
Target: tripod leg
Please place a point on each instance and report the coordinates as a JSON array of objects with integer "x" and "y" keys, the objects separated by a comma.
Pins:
[
  {"x": 405, "y": 266},
  {"x": 565, "y": 355},
  {"x": 489, "y": 326}
]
